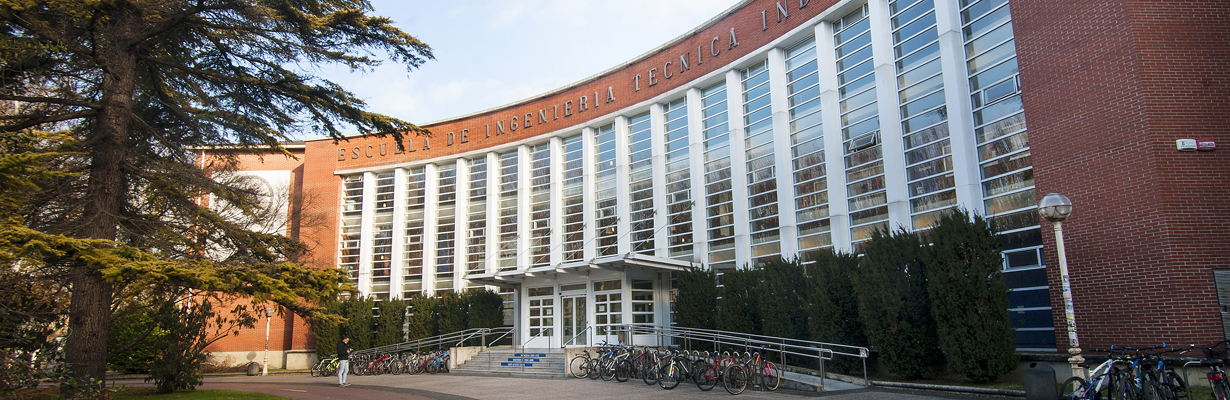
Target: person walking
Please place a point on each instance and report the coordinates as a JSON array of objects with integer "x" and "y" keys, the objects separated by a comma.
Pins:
[{"x": 343, "y": 363}]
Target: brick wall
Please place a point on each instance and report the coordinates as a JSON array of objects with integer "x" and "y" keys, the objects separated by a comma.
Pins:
[{"x": 1108, "y": 88}]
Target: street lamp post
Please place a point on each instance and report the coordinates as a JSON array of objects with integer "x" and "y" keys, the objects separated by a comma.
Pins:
[
  {"x": 1055, "y": 208},
  {"x": 265, "y": 365}
]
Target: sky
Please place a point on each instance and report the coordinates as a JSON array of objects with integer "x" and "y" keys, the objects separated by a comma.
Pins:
[{"x": 490, "y": 53}]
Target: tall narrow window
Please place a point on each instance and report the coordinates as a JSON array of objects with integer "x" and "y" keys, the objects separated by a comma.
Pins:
[
  {"x": 924, "y": 113},
  {"x": 416, "y": 190},
  {"x": 506, "y": 257},
  {"x": 640, "y": 180},
  {"x": 352, "y": 220},
  {"x": 860, "y": 126},
  {"x": 1005, "y": 165},
  {"x": 574, "y": 199},
  {"x": 999, "y": 119},
  {"x": 476, "y": 228},
  {"x": 761, "y": 168},
  {"x": 679, "y": 200},
  {"x": 811, "y": 196},
  {"x": 446, "y": 226},
  {"x": 719, "y": 198},
  {"x": 604, "y": 191},
  {"x": 540, "y": 205},
  {"x": 382, "y": 236}
]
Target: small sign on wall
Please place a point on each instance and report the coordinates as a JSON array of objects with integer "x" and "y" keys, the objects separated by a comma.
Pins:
[{"x": 1195, "y": 144}]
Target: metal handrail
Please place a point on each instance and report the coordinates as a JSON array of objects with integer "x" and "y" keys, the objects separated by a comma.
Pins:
[
  {"x": 540, "y": 332},
  {"x": 574, "y": 337},
  {"x": 436, "y": 341},
  {"x": 818, "y": 350}
]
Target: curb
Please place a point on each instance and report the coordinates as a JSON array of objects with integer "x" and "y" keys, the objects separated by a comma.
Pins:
[{"x": 948, "y": 388}]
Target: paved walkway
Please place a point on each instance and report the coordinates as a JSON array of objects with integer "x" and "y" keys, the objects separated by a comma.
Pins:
[{"x": 459, "y": 387}]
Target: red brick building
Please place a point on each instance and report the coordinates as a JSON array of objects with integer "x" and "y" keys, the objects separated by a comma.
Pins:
[{"x": 781, "y": 128}]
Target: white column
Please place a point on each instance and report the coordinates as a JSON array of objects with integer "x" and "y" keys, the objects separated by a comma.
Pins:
[
  {"x": 834, "y": 147},
  {"x": 782, "y": 155},
  {"x": 738, "y": 167},
  {"x": 891, "y": 143},
  {"x": 397, "y": 260},
  {"x": 622, "y": 182},
  {"x": 696, "y": 166},
  {"x": 431, "y": 192},
  {"x": 523, "y": 207},
  {"x": 658, "y": 163},
  {"x": 493, "y": 208},
  {"x": 557, "y": 203},
  {"x": 966, "y": 173},
  {"x": 589, "y": 245},
  {"x": 461, "y": 218},
  {"x": 365, "y": 239}
]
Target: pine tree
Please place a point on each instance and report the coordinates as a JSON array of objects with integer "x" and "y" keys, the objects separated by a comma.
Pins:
[
  {"x": 969, "y": 298},
  {"x": 137, "y": 84},
  {"x": 893, "y": 303}
]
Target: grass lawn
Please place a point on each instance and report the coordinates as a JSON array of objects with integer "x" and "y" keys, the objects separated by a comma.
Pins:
[{"x": 148, "y": 393}]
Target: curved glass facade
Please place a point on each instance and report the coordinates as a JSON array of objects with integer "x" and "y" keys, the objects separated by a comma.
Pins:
[{"x": 881, "y": 116}]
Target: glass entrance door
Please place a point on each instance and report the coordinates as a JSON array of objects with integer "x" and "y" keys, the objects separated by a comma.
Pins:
[{"x": 573, "y": 319}]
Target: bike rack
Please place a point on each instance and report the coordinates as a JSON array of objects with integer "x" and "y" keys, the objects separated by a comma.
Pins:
[{"x": 784, "y": 346}]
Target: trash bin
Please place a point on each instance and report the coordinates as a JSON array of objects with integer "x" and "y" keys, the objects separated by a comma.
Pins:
[
  {"x": 1040, "y": 382},
  {"x": 254, "y": 368}
]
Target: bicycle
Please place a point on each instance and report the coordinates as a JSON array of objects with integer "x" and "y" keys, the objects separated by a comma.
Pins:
[
  {"x": 1215, "y": 360},
  {"x": 675, "y": 369},
  {"x": 325, "y": 367},
  {"x": 717, "y": 371},
  {"x": 764, "y": 373},
  {"x": 579, "y": 366}
]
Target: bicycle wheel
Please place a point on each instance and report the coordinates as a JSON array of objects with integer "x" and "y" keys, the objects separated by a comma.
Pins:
[
  {"x": 623, "y": 369},
  {"x": 706, "y": 375},
  {"x": 771, "y": 376},
  {"x": 316, "y": 369},
  {"x": 669, "y": 375},
  {"x": 735, "y": 379},
  {"x": 649, "y": 371},
  {"x": 1073, "y": 388},
  {"x": 592, "y": 369},
  {"x": 607, "y": 371},
  {"x": 577, "y": 367}
]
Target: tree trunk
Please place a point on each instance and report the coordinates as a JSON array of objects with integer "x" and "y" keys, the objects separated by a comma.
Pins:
[{"x": 85, "y": 348}]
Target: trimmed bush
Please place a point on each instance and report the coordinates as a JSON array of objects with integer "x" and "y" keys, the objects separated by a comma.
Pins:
[
  {"x": 834, "y": 306},
  {"x": 452, "y": 311},
  {"x": 359, "y": 322},
  {"x": 327, "y": 332},
  {"x": 893, "y": 303},
  {"x": 782, "y": 293},
  {"x": 424, "y": 317},
  {"x": 738, "y": 308},
  {"x": 969, "y": 299},
  {"x": 389, "y": 323},
  {"x": 485, "y": 309},
  {"x": 696, "y": 300}
]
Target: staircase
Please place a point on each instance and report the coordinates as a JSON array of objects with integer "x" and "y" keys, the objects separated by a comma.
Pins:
[{"x": 524, "y": 363}]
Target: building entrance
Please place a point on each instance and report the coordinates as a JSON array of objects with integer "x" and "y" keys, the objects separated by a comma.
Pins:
[{"x": 572, "y": 316}]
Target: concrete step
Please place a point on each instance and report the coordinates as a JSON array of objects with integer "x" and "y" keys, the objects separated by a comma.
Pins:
[{"x": 543, "y": 363}]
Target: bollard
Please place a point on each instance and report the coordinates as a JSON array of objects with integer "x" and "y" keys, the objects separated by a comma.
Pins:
[{"x": 1040, "y": 382}]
